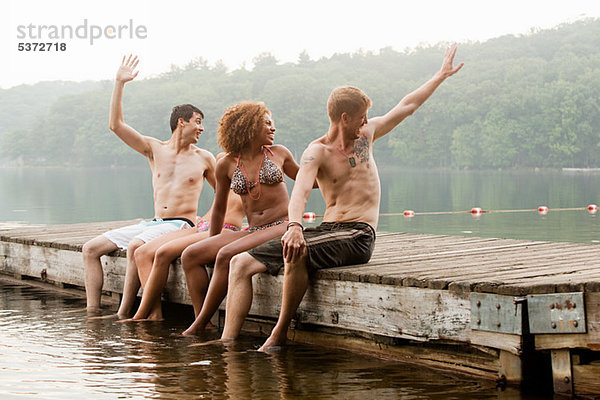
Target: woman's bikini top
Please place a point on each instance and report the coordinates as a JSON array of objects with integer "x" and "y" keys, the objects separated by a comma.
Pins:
[{"x": 270, "y": 174}]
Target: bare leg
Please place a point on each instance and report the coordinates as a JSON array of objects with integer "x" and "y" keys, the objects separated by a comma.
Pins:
[
  {"x": 144, "y": 256},
  {"x": 131, "y": 283},
  {"x": 150, "y": 306},
  {"x": 92, "y": 265},
  {"x": 239, "y": 300},
  {"x": 196, "y": 256},
  {"x": 295, "y": 283},
  {"x": 219, "y": 282}
]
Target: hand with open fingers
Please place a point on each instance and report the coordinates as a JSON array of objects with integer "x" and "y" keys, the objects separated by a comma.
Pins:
[
  {"x": 293, "y": 244},
  {"x": 448, "y": 69},
  {"x": 126, "y": 71}
]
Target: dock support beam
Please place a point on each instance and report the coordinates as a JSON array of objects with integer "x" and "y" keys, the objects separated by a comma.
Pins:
[
  {"x": 510, "y": 368},
  {"x": 562, "y": 375}
]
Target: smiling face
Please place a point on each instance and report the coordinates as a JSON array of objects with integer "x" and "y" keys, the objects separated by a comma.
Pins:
[
  {"x": 267, "y": 132},
  {"x": 193, "y": 128}
]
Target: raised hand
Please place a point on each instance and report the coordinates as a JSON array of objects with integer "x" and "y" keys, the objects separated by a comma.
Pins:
[
  {"x": 126, "y": 71},
  {"x": 448, "y": 69}
]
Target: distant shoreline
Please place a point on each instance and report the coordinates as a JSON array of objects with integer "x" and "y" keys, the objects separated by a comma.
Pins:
[{"x": 581, "y": 169}]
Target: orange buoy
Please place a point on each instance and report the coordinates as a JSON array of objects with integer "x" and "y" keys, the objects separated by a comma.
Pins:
[
  {"x": 543, "y": 210},
  {"x": 592, "y": 208},
  {"x": 476, "y": 211},
  {"x": 408, "y": 213},
  {"x": 309, "y": 216}
]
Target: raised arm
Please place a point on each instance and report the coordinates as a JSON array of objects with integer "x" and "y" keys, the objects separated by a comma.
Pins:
[
  {"x": 293, "y": 240},
  {"x": 411, "y": 102},
  {"x": 130, "y": 136}
]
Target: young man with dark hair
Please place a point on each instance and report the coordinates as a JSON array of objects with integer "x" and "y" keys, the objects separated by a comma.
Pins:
[{"x": 178, "y": 172}]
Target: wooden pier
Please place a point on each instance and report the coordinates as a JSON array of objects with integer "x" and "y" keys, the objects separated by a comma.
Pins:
[{"x": 511, "y": 310}]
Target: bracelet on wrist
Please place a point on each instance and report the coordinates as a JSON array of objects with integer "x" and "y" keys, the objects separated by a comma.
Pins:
[{"x": 294, "y": 223}]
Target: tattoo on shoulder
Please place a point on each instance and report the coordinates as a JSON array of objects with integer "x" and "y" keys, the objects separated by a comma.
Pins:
[
  {"x": 361, "y": 149},
  {"x": 307, "y": 159}
]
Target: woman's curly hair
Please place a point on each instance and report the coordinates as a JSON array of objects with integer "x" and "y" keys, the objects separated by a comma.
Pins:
[{"x": 240, "y": 124}]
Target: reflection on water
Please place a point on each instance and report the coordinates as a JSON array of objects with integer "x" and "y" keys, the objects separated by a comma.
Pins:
[
  {"x": 50, "y": 350},
  {"x": 62, "y": 195}
]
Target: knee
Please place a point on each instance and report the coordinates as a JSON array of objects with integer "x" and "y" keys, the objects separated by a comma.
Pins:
[
  {"x": 298, "y": 265},
  {"x": 238, "y": 268},
  {"x": 91, "y": 249},
  {"x": 223, "y": 259},
  {"x": 163, "y": 257},
  {"x": 188, "y": 257},
  {"x": 133, "y": 246},
  {"x": 141, "y": 254}
]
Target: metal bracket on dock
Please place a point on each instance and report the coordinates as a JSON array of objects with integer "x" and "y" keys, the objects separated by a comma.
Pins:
[
  {"x": 496, "y": 313},
  {"x": 556, "y": 313}
]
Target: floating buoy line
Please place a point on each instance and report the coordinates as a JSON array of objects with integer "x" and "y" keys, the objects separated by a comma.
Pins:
[{"x": 475, "y": 211}]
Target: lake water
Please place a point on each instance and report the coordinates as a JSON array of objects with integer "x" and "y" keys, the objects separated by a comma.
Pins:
[
  {"x": 61, "y": 195},
  {"x": 49, "y": 350}
]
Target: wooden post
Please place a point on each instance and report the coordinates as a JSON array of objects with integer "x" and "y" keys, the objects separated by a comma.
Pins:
[
  {"x": 562, "y": 376},
  {"x": 510, "y": 368}
]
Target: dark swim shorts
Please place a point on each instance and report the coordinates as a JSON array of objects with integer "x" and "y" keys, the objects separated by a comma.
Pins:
[{"x": 329, "y": 245}]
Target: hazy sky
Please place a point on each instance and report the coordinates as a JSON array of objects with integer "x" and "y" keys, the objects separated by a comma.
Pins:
[{"x": 235, "y": 31}]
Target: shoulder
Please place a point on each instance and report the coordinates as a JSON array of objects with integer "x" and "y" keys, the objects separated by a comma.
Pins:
[
  {"x": 154, "y": 142},
  {"x": 316, "y": 151},
  {"x": 225, "y": 162},
  {"x": 280, "y": 150},
  {"x": 319, "y": 146},
  {"x": 205, "y": 154},
  {"x": 204, "y": 158}
]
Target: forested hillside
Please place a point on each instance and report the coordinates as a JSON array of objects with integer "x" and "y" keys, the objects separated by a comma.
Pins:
[{"x": 520, "y": 101}]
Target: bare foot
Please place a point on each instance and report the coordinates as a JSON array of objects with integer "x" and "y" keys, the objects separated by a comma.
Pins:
[
  {"x": 149, "y": 319},
  {"x": 272, "y": 344},
  {"x": 216, "y": 341},
  {"x": 109, "y": 316},
  {"x": 189, "y": 332},
  {"x": 193, "y": 331}
]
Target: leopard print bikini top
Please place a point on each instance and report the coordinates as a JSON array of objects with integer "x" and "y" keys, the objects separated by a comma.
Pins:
[{"x": 269, "y": 174}]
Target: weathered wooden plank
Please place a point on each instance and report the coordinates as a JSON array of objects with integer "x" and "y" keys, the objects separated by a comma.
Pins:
[
  {"x": 586, "y": 379},
  {"x": 66, "y": 266},
  {"x": 504, "y": 341},
  {"x": 407, "y": 313},
  {"x": 459, "y": 359}
]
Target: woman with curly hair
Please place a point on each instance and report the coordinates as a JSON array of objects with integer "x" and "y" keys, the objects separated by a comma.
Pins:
[{"x": 253, "y": 168}]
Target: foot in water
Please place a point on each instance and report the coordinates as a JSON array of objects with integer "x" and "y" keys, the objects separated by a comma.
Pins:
[
  {"x": 223, "y": 342},
  {"x": 272, "y": 344},
  {"x": 109, "y": 316},
  {"x": 149, "y": 319},
  {"x": 195, "y": 331}
]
